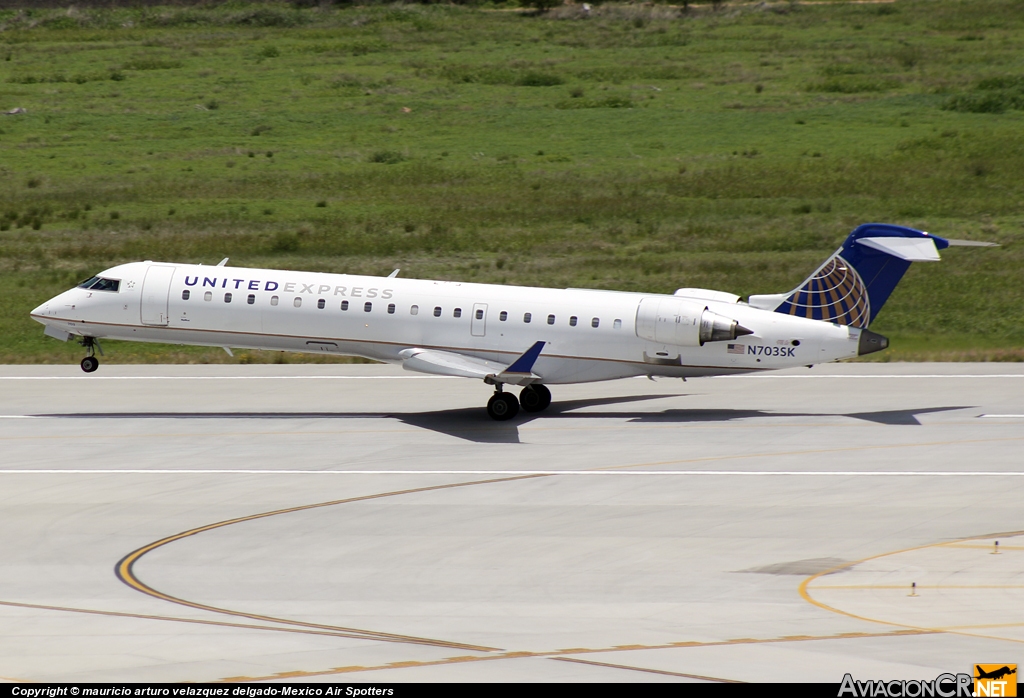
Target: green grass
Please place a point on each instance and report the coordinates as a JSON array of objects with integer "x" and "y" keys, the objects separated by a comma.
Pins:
[{"x": 641, "y": 148}]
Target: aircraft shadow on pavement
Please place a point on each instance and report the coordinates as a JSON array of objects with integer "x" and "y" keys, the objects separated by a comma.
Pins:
[{"x": 473, "y": 424}]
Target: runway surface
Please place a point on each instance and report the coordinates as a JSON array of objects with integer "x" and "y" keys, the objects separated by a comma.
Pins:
[{"x": 360, "y": 523}]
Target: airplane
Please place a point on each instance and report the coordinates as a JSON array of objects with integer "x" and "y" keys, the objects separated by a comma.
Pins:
[
  {"x": 995, "y": 674},
  {"x": 502, "y": 335}
]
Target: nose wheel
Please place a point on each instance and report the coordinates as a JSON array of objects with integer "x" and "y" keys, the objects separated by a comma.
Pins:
[{"x": 90, "y": 363}]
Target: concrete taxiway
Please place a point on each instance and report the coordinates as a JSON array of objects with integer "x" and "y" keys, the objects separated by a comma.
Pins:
[{"x": 360, "y": 523}]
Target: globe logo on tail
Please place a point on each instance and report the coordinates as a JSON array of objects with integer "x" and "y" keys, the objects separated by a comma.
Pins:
[{"x": 835, "y": 293}]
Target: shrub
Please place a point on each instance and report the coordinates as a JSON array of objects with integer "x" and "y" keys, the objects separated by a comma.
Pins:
[
  {"x": 387, "y": 157},
  {"x": 536, "y": 79},
  {"x": 285, "y": 242}
]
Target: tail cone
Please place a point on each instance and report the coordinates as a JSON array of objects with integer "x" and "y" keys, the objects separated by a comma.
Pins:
[{"x": 870, "y": 342}]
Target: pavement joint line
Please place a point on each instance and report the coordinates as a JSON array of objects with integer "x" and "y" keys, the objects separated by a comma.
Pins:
[
  {"x": 546, "y": 473},
  {"x": 849, "y": 449},
  {"x": 904, "y": 586},
  {"x": 196, "y": 621},
  {"x": 805, "y": 585},
  {"x": 736, "y": 424},
  {"x": 713, "y": 679},
  {"x": 552, "y": 654}
]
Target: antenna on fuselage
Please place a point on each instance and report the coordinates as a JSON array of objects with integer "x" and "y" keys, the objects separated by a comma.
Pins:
[
  {"x": 394, "y": 273},
  {"x": 222, "y": 262}
]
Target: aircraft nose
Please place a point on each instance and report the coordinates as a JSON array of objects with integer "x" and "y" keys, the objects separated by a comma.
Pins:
[{"x": 41, "y": 310}]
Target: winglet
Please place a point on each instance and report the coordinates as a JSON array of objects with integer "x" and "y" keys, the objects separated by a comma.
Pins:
[{"x": 524, "y": 364}]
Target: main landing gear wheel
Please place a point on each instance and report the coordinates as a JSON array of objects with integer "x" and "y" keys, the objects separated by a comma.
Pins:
[
  {"x": 535, "y": 398},
  {"x": 502, "y": 406},
  {"x": 90, "y": 364}
]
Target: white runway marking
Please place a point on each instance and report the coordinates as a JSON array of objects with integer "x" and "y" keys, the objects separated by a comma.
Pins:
[
  {"x": 375, "y": 378},
  {"x": 611, "y": 473},
  {"x": 886, "y": 376},
  {"x": 1001, "y": 416},
  {"x": 216, "y": 378}
]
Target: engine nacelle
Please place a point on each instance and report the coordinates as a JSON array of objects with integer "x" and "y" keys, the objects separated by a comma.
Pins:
[{"x": 683, "y": 323}]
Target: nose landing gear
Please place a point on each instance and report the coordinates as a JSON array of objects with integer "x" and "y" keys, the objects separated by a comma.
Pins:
[{"x": 90, "y": 363}]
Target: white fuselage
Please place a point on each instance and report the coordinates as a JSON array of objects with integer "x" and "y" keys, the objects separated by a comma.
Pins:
[{"x": 591, "y": 335}]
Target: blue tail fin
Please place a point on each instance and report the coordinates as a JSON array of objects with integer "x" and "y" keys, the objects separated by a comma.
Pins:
[{"x": 855, "y": 282}]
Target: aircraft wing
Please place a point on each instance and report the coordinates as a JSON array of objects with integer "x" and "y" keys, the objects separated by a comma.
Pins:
[{"x": 450, "y": 363}]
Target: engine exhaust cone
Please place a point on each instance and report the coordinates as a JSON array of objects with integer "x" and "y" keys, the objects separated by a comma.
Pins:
[
  {"x": 870, "y": 342},
  {"x": 741, "y": 330}
]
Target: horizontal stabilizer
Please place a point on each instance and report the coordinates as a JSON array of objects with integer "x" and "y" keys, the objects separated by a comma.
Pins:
[
  {"x": 971, "y": 243},
  {"x": 909, "y": 249}
]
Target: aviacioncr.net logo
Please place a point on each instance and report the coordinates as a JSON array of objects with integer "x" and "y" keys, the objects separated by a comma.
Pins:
[{"x": 942, "y": 686}]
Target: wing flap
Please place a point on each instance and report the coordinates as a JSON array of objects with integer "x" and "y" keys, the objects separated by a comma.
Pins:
[{"x": 450, "y": 363}]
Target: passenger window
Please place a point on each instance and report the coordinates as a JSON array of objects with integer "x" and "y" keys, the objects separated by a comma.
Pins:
[
  {"x": 437, "y": 311},
  {"x": 527, "y": 317},
  {"x": 321, "y": 304},
  {"x": 617, "y": 324},
  {"x": 185, "y": 294},
  {"x": 479, "y": 314},
  {"x": 208, "y": 296},
  {"x": 297, "y": 302},
  {"x": 391, "y": 308},
  {"x": 503, "y": 316},
  {"x": 344, "y": 305},
  {"x": 596, "y": 322},
  {"x": 551, "y": 319},
  {"x": 227, "y": 297},
  {"x": 457, "y": 312},
  {"x": 367, "y": 307},
  {"x": 273, "y": 300},
  {"x": 414, "y": 310},
  {"x": 251, "y": 299},
  {"x": 572, "y": 321}
]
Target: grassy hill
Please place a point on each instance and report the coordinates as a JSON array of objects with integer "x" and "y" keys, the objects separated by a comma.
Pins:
[{"x": 631, "y": 147}]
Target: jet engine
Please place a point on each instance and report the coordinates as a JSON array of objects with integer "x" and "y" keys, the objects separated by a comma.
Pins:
[{"x": 683, "y": 323}]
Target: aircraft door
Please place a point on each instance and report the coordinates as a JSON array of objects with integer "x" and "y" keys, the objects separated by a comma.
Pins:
[
  {"x": 478, "y": 325},
  {"x": 156, "y": 289}
]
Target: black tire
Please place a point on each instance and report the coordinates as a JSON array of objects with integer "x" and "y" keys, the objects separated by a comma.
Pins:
[
  {"x": 535, "y": 398},
  {"x": 90, "y": 364},
  {"x": 502, "y": 406}
]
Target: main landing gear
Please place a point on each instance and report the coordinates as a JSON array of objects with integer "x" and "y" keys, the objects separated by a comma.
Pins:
[
  {"x": 90, "y": 363},
  {"x": 503, "y": 406}
]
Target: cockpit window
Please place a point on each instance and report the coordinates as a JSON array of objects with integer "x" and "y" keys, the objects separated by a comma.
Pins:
[{"x": 97, "y": 283}]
